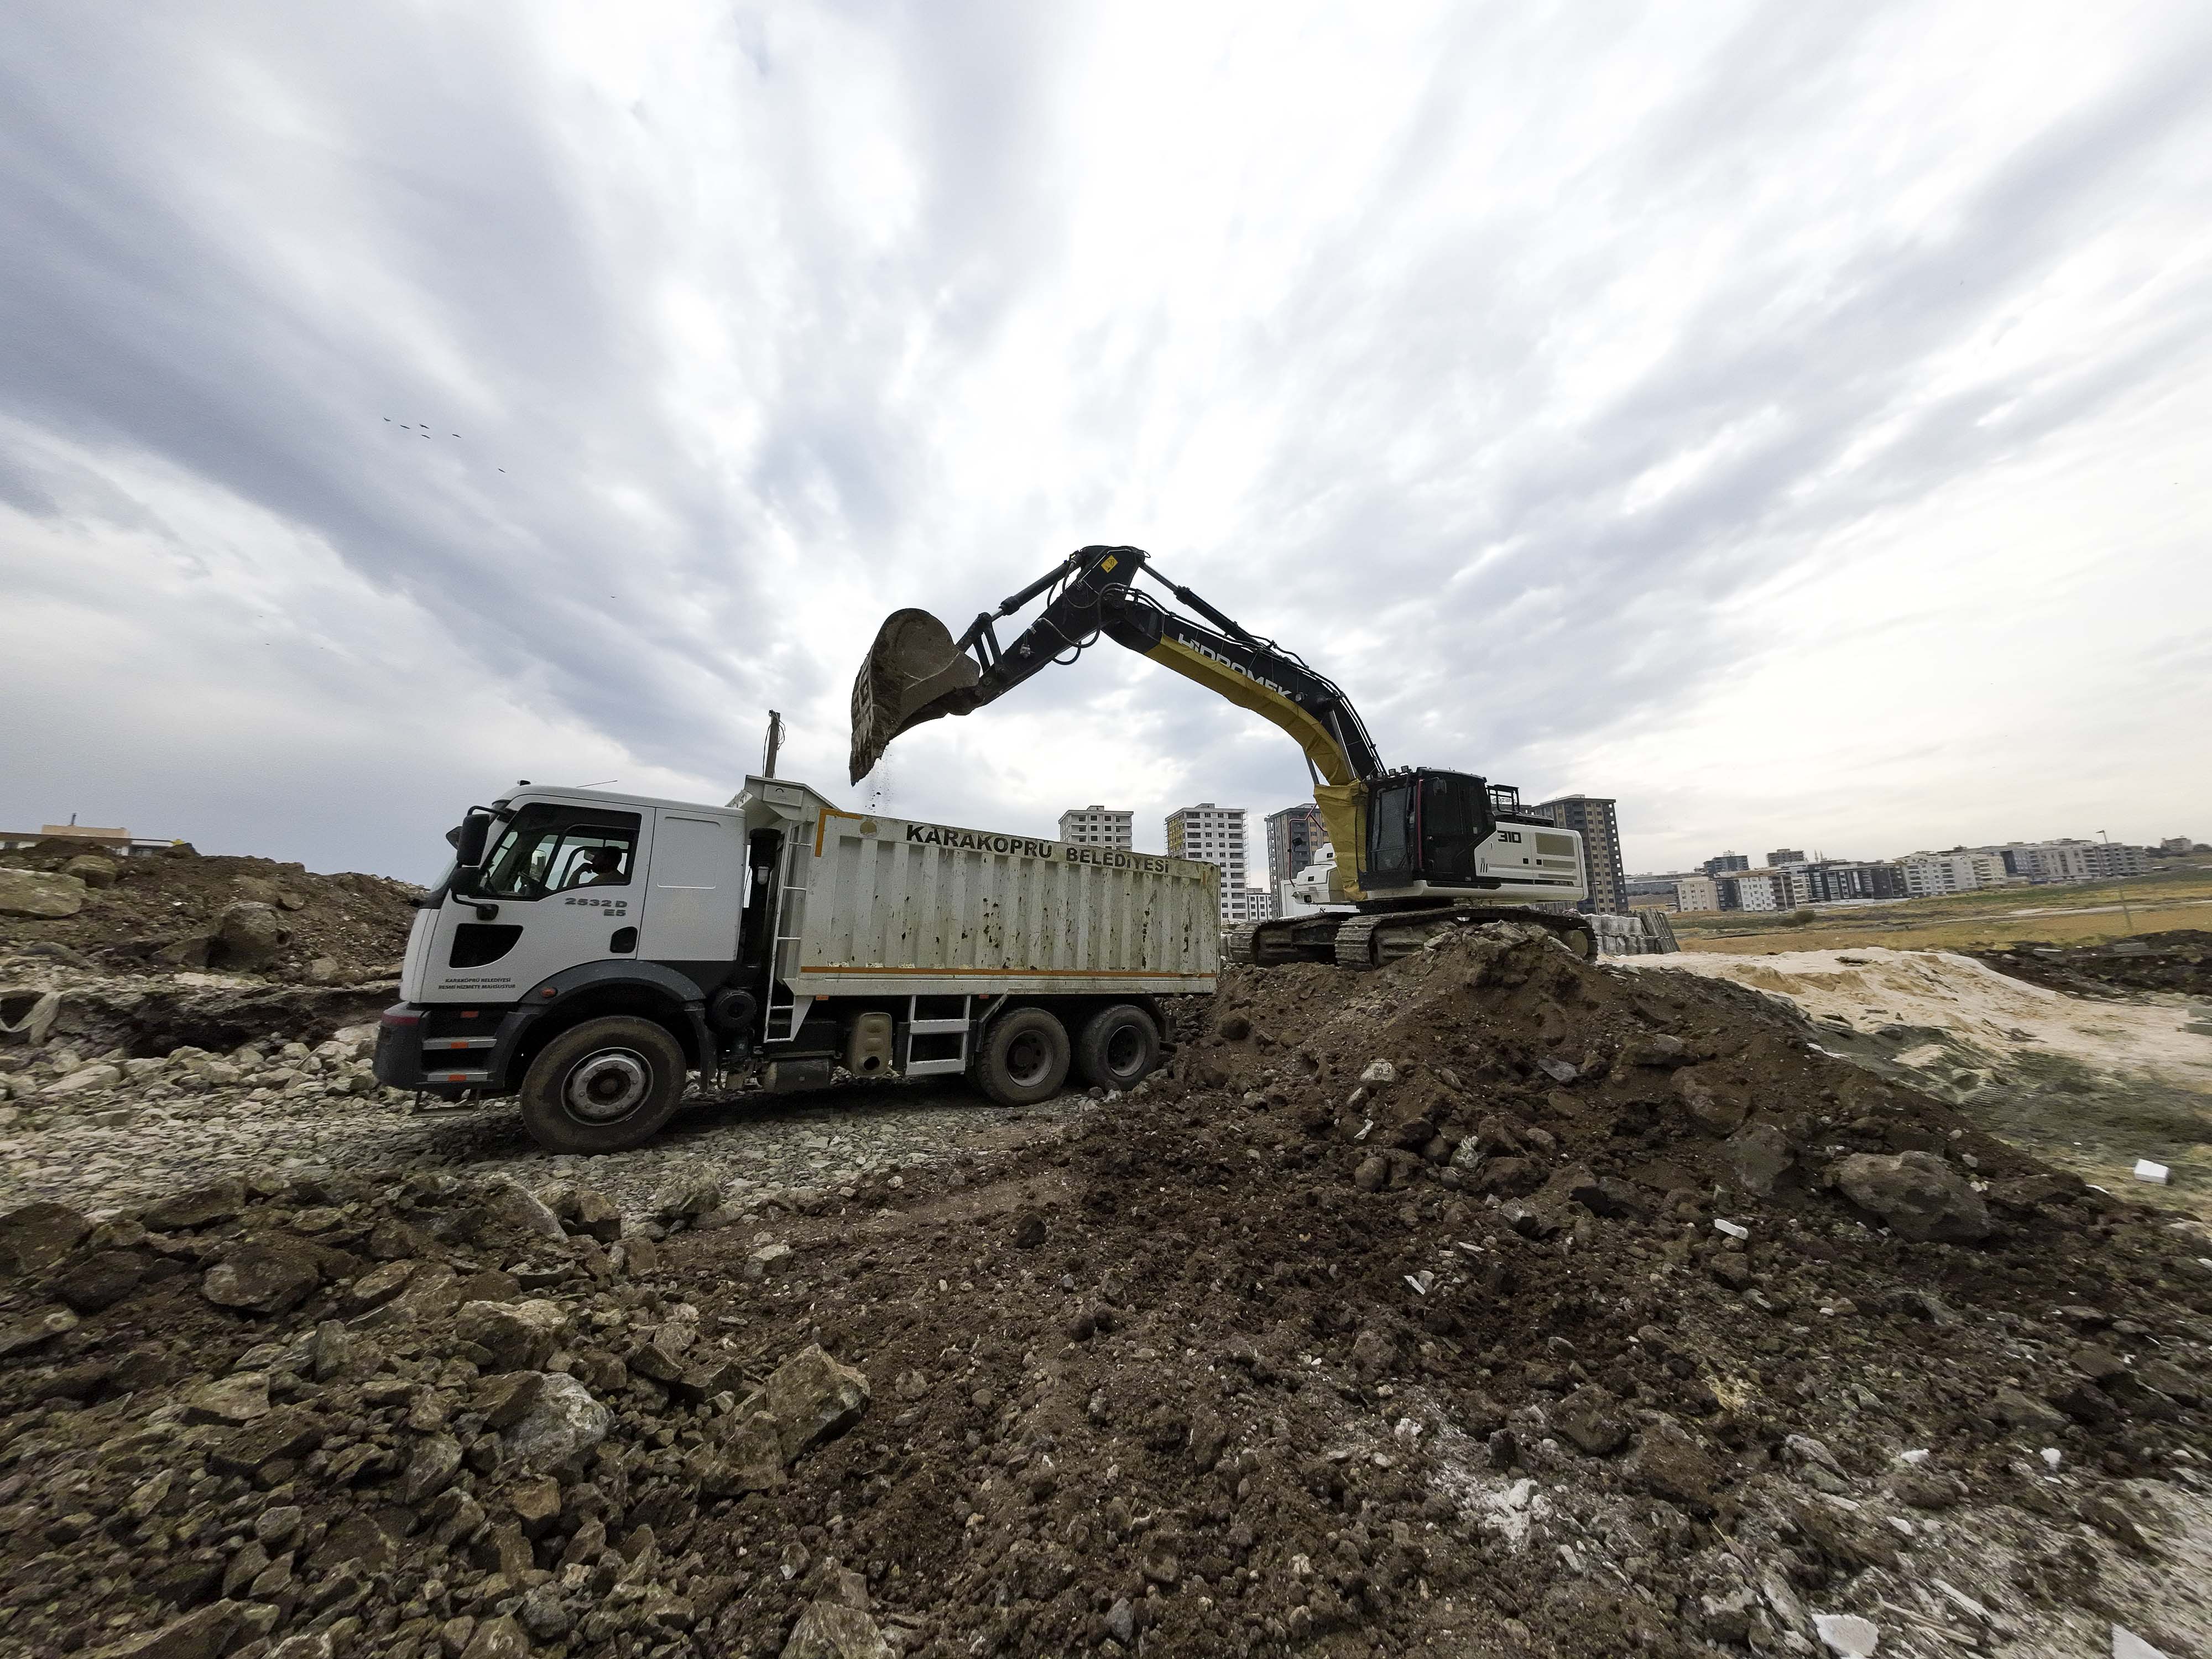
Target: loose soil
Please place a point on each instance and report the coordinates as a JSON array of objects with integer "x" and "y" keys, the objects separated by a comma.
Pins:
[
  {"x": 2180, "y": 961},
  {"x": 161, "y": 908},
  {"x": 1287, "y": 1351},
  {"x": 2070, "y": 1060}
]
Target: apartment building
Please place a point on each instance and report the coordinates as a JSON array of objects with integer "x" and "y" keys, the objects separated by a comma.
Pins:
[
  {"x": 1605, "y": 877},
  {"x": 1098, "y": 826},
  {"x": 1838, "y": 882},
  {"x": 1929, "y": 875},
  {"x": 1294, "y": 837},
  {"x": 1755, "y": 889},
  {"x": 1697, "y": 893},
  {"x": 1214, "y": 835},
  {"x": 1725, "y": 863},
  {"x": 2106, "y": 860},
  {"x": 1783, "y": 855}
]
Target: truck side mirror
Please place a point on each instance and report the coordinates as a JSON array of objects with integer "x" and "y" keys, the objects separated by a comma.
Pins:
[{"x": 470, "y": 838}]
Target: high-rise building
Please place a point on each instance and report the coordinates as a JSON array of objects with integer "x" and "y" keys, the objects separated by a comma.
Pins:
[
  {"x": 1295, "y": 836},
  {"x": 1782, "y": 855},
  {"x": 1214, "y": 835},
  {"x": 1098, "y": 826},
  {"x": 1724, "y": 863},
  {"x": 1604, "y": 876}
]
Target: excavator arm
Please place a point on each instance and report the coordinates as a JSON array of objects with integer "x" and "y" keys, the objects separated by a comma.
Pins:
[{"x": 917, "y": 671}]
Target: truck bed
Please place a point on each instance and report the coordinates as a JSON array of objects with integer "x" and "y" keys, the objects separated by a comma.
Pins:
[{"x": 876, "y": 905}]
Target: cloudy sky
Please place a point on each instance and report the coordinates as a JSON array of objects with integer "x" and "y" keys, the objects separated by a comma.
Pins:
[{"x": 1790, "y": 420}]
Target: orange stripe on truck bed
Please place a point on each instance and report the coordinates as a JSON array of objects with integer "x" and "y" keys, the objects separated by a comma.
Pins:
[{"x": 1018, "y": 973}]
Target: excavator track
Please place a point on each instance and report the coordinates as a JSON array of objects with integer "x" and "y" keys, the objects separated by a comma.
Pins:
[
  {"x": 1372, "y": 939},
  {"x": 1293, "y": 938}
]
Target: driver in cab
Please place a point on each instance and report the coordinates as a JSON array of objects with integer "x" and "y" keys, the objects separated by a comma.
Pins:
[{"x": 600, "y": 867}]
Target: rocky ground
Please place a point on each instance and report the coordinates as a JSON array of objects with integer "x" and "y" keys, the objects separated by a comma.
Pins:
[
  {"x": 97, "y": 1130},
  {"x": 2179, "y": 960},
  {"x": 67, "y": 902},
  {"x": 1495, "y": 1303}
]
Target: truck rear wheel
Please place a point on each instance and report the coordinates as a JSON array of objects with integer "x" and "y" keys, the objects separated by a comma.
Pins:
[
  {"x": 608, "y": 1085},
  {"x": 1118, "y": 1047},
  {"x": 1023, "y": 1057}
]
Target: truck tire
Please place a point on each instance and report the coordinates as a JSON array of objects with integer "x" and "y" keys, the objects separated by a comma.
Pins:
[
  {"x": 606, "y": 1085},
  {"x": 1118, "y": 1047},
  {"x": 1023, "y": 1057}
]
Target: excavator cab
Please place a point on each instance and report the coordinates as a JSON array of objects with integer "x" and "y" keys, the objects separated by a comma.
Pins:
[{"x": 1424, "y": 827}]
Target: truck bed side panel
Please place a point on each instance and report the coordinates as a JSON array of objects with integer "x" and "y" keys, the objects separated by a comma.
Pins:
[{"x": 902, "y": 907}]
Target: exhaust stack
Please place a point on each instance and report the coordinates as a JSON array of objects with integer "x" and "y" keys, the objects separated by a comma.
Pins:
[{"x": 913, "y": 673}]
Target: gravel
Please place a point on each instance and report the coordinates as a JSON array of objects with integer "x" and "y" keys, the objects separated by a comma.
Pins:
[{"x": 115, "y": 1140}]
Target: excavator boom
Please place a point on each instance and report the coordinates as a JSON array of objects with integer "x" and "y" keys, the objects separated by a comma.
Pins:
[{"x": 1435, "y": 837}]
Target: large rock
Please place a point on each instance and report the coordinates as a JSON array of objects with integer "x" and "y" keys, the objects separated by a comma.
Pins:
[
  {"x": 1758, "y": 1154},
  {"x": 1591, "y": 1417},
  {"x": 497, "y": 1638},
  {"x": 812, "y": 1398},
  {"x": 218, "y": 1201},
  {"x": 1918, "y": 1195},
  {"x": 261, "y": 1278},
  {"x": 87, "y": 1078},
  {"x": 242, "y": 1397},
  {"x": 201, "y": 1634},
  {"x": 519, "y": 1336},
  {"x": 830, "y": 1629},
  {"x": 518, "y": 1207},
  {"x": 101, "y": 1280},
  {"x": 750, "y": 1459},
  {"x": 1674, "y": 1462},
  {"x": 247, "y": 937},
  {"x": 287, "y": 1435},
  {"x": 1716, "y": 1114},
  {"x": 32, "y": 893},
  {"x": 436, "y": 1461},
  {"x": 92, "y": 870},
  {"x": 562, "y": 1424},
  {"x": 35, "y": 1237}
]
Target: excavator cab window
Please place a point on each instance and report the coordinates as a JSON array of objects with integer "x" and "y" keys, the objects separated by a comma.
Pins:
[
  {"x": 1454, "y": 819},
  {"x": 1390, "y": 836}
]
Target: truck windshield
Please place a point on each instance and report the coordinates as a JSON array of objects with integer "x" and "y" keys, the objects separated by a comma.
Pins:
[{"x": 550, "y": 848}]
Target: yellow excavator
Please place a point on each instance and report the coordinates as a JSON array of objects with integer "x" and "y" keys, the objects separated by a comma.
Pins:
[{"x": 1419, "y": 851}]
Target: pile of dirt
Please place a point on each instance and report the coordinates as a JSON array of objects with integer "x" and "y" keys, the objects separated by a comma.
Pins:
[
  {"x": 148, "y": 1016},
  {"x": 1494, "y": 1303},
  {"x": 2179, "y": 960},
  {"x": 66, "y": 902}
]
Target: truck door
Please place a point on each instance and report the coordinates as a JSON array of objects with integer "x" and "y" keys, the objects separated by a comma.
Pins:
[
  {"x": 567, "y": 883},
  {"x": 698, "y": 888}
]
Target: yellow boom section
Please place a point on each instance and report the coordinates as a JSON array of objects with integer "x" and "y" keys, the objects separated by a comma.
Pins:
[{"x": 1342, "y": 797}]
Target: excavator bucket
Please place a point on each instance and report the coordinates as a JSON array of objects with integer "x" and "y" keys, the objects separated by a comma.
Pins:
[{"x": 913, "y": 673}]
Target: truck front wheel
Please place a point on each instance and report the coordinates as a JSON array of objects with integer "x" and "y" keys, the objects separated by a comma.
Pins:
[
  {"x": 1118, "y": 1047},
  {"x": 608, "y": 1085},
  {"x": 1024, "y": 1059}
]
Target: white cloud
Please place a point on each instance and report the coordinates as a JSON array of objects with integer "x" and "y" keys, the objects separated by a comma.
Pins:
[{"x": 1679, "y": 408}]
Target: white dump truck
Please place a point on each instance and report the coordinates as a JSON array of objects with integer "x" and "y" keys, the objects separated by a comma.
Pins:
[{"x": 590, "y": 951}]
